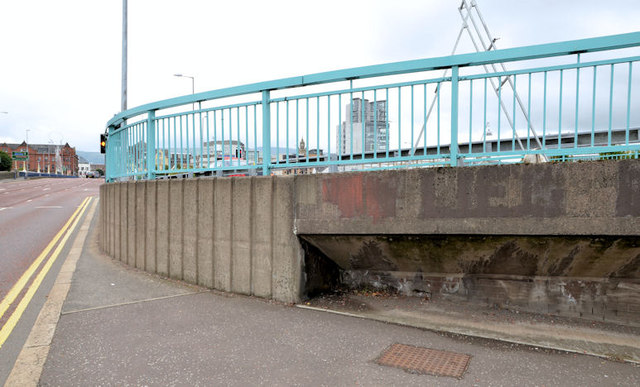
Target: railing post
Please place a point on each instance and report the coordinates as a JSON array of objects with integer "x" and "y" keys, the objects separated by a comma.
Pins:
[
  {"x": 453, "y": 147},
  {"x": 151, "y": 145},
  {"x": 266, "y": 134}
]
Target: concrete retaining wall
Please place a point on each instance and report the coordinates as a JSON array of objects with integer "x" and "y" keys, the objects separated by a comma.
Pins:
[
  {"x": 231, "y": 234},
  {"x": 560, "y": 238}
]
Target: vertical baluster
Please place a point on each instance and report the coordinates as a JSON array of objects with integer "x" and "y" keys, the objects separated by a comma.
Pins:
[
  {"x": 424, "y": 144},
  {"x": 575, "y": 134},
  {"x": 277, "y": 132},
  {"x": 246, "y": 135},
  {"x": 362, "y": 122},
  {"x": 255, "y": 136},
  {"x": 208, "y": 141},
  {"x": 499, "y": 109},
  {"x": 484, "y": 124},
  {"x": 340, "y": 133},
  {"x": 438, "y": 116},
  {"x": 529, "y": 132},
  {"x": 399, "y": 122},
  {"x": 513, "y": 128},
  {"x": 560, "y": 112},
  {"x": 386, "y": 119},
  {"x": 626, "y": 136},
  {"x": 593, "y": 107},
  {"x": 328, "y": 158},
  {"x": 470, "y": 115},
  {"x": 215, "y": 139},
  {"x": 151, "y": 142},
  {"x": 544, "y": 113},
  {"x": 238, "y": 146},
  {"x": 375, "y": 124},
  {"x": 317, "y": 131},
  {"x": 610, "y": 107},
  {"x": 287, "y": 132},
  {"x": 412, "y": 151},
  {"x": 306, "y": 155}
]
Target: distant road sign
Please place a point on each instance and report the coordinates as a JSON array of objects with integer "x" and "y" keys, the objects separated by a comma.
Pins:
[{"x": 19, "y": 155}]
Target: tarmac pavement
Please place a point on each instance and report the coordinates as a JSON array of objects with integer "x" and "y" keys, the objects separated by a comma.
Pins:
[{"x": 121, "y": 326}]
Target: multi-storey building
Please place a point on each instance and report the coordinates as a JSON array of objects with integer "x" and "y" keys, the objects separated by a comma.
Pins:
[
  {"x": 370, "y": 116},
  {"x": 44, "y": 158}
]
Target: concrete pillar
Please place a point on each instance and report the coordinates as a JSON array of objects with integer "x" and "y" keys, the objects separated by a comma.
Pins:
[
  {"x": 131, "y": 223},
  {"x": 112, "y": 218},
  {"x": 190, "y": 231},
  {"x": 222, "y": 234},
  {"x": 205, "y": 232},
  {"x": 241, "y": 236},
  {"x": 176, "y": 203},
  {"x": 162, "y": 231},
  {"x": 150, "y": 235},
  {"x": 261, "y": 235},
  {"x": 122, "y": 208},
  {"x": 140, "y": 231},
  {"x": 287, "y": 253}
]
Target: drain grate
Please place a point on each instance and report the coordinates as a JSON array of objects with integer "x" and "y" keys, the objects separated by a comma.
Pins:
[{"x": 425, "y": 360}]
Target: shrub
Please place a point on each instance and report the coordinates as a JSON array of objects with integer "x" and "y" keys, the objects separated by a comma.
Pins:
[{"x": 5, "y": 161}]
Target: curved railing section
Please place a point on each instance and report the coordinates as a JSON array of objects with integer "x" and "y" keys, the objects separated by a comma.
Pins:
[{"x": 560, "y": 101}]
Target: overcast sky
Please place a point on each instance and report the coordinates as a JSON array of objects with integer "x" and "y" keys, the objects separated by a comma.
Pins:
[{"x": 60, "y": 62}]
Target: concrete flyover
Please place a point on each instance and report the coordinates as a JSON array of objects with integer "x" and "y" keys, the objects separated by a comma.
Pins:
[{"x": 555, "y": 238}]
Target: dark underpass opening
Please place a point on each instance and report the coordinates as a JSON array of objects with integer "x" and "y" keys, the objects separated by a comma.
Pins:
[{"x": 578, "y": 276}]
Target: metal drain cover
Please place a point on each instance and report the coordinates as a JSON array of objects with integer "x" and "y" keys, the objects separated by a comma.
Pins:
[{"x": 425, "y": 360}]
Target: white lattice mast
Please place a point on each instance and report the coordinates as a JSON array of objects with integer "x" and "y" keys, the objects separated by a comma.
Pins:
[{"x": 482, "y": 41}]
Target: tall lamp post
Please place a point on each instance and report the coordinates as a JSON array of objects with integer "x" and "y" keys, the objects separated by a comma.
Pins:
[
  {"x": 193, "y": 85},
  {"x": 123, "y": 99}
]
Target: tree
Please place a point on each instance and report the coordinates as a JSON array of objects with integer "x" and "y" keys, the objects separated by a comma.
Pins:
[
  {"x": 100, "y": 171},
  {"x": 5, "y": 161}
]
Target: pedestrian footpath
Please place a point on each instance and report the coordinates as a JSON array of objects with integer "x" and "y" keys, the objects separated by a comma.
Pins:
[{"x": 121, "y": 326}]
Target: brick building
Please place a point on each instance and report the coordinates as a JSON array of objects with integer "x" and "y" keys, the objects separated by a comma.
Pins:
[{"x": 45, "y": 158}]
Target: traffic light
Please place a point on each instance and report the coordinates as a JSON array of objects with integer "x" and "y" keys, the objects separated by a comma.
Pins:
[{"x": 103, "y": 143}]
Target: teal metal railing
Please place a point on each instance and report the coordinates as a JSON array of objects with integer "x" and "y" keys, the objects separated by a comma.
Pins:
[{"x": 562, "y": 101}]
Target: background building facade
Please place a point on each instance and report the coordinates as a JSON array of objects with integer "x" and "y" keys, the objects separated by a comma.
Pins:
[
  {"x": 44, "y": 158},
  {"x": 372, "y": 116}
]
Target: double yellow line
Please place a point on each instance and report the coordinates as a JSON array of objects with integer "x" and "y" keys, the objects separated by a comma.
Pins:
[{"x": 66, "y": 230}]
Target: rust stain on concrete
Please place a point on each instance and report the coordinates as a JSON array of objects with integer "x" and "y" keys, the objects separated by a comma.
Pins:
[{"x": 356, "y": 196}]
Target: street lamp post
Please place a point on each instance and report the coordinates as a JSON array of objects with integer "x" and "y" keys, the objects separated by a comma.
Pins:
[{"x": 193, "y": 83}]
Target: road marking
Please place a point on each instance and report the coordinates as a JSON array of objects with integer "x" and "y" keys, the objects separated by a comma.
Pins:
[
  {"x": 6, "y": 330},
  {"x": 46, "y": 189},
  {"x": 4, "y": 208},
  {"x": 17, "y": 288},
  {"x": 46, "y": 207},
  {"x": 30, "y": 362},
  {"x": 30, "y": 200}
]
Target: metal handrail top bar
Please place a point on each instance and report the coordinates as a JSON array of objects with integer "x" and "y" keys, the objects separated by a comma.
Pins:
[{"x": 603, "y": 43}]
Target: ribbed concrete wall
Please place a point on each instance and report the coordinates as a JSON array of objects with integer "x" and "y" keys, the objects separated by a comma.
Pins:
[
  {"x": 558, "y": 238},
  {"x": 231, "y": 234}
]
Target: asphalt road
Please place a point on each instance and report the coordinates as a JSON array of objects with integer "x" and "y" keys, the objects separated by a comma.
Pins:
[{"x": 32, "y": 212}]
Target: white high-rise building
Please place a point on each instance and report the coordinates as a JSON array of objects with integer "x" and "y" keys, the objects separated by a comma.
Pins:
[{"x": 351, "y": 138}]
